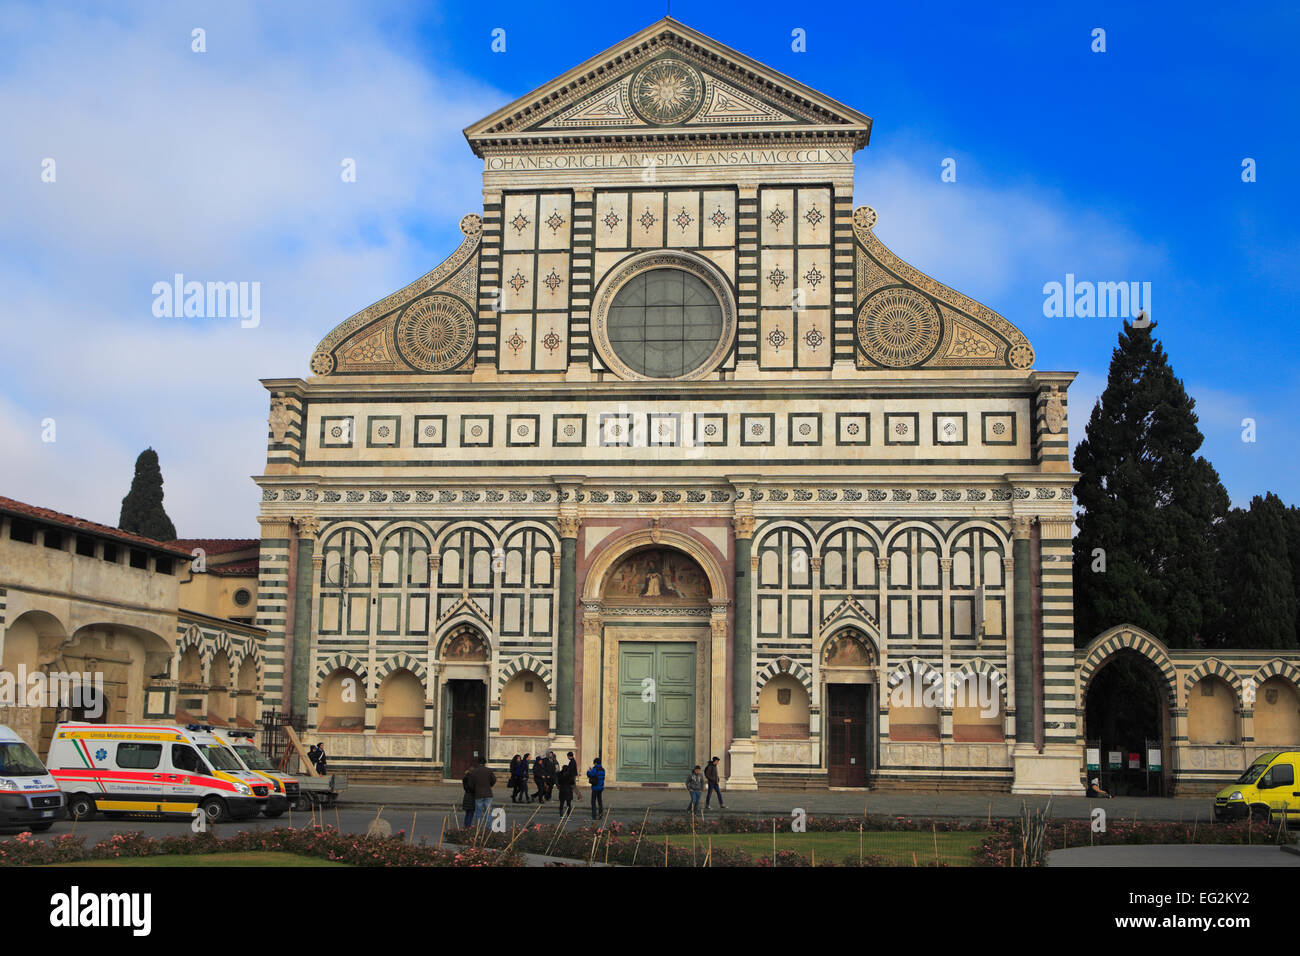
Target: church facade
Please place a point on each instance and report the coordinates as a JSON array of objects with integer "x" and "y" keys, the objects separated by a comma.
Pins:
[{"x": 674, "y": 458}]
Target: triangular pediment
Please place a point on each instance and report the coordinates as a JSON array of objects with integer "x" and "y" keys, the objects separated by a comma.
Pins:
[{"x": 666, "y": 82}]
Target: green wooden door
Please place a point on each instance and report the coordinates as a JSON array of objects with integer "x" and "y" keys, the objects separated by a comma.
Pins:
[{"x": 656, "y": 712}]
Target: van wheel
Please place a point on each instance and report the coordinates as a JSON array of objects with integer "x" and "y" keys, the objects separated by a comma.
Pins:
[
  {"x": 214, "y": 808},
  {"x": 81, "y": 806},
  {"x": 1260, "y": 811}
]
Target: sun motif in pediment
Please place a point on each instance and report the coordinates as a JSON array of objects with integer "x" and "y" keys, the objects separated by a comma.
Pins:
[{"x": 666, "y": 92}]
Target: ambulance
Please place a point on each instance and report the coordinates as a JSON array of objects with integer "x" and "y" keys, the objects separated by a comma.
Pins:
[
  {"x": 29, "y": 797},
  {"x": 169, "y": 770},
  {"x": 284, "y": 793},
  {"x": 1268, "y": 790}
]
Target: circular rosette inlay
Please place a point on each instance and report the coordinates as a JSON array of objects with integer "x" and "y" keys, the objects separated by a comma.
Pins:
[
  {"x": 435, "y": 333},
  {"x": 898, "y": 328},
  {"x": 666, "y": 92}
]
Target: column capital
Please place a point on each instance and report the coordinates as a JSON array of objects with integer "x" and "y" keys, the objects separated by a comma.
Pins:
[
  {"x": 376, "y": 562},
  {"x": 308, "y": 526},
  {"x": 1020, "y": 526},
  {"x": 882, "y": 564},
  {"x": 569, "y": 524},
  {"x": 743, "y": 525},
  {"x": 945, "y": 564}
]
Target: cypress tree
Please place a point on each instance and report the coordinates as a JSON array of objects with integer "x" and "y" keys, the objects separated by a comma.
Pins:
[
  {"x": 142, "y": 508},
  {"x": 1257, "y": 577},
  {"x": 1148, "y": 502}
]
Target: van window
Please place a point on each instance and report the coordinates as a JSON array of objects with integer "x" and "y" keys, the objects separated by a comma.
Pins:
[
  {"x": 139, "y": 756},
  {"x": 1254, "y": 770},
  {"x": 1282, "y": 775},
  {"x": 17, "y": 760},
  {"x": 220, "y": 757},
  {"x": 185, "y": 758}
]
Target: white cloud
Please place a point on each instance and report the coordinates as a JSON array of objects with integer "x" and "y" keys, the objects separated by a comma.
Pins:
[{"x": 222, "y": 166}]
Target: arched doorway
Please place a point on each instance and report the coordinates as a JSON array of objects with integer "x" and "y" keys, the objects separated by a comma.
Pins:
[
  {"x": 848, "y": 671},
  {"x": 1126, "y": 711},
  {"x": 654, "y": 642},
  {"x": 463, "y": 661}
]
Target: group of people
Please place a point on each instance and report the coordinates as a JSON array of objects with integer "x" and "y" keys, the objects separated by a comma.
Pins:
[
  {"x": 548, "y": 775},
  {"x": 696, "y": 782}
]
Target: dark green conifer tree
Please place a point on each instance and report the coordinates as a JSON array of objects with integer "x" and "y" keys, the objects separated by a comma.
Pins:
[{"x": 142, "y": 508}]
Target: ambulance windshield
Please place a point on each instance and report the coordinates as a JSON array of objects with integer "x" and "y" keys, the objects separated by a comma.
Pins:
[
  {"x": 220, "y": 757},
  {"x": 253, "y": 757},
  {"x": 17, "y": 760}
]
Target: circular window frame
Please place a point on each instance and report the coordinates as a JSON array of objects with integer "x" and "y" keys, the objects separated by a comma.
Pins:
[
  {"x": 248, "y": 597},
  {"x": 625, "y": 272}
]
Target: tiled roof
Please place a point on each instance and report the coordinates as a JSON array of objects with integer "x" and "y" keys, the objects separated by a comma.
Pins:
[
  {"x": 237, "y": 569},
  {"x": 10, "y": 506},
  {"x": 213, "y": 546}
]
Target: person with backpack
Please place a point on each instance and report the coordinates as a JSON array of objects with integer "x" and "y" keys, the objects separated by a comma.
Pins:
[
  {"x": 596, "y": 778},
  {"x": 695, "y": 787}
]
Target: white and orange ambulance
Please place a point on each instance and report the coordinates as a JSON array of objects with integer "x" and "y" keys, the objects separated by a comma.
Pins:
[
  {"x": 163, "y": 769},
  {"x": 29, "y": 797}
]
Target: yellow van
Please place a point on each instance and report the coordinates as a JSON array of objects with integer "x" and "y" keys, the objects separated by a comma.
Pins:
[{"x": 1269, "y": 788}]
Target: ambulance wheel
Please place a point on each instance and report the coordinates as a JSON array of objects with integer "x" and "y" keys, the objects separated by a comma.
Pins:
[
  {"x": 214, "y": 808},
  {"x": 81, "y": 806}
]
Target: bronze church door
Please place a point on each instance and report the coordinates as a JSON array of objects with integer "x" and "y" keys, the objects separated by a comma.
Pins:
[
  {"x": 847, "y": 734},
  {"x": 468, "y": 732}
]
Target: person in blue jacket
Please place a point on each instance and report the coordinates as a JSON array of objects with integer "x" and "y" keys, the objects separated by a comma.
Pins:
[{"x": 596, "y": 778}]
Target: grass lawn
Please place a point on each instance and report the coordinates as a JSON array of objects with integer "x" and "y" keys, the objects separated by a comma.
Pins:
[
  {"x": 251, "y": 858},
  {"x": 955, "y": 849}
]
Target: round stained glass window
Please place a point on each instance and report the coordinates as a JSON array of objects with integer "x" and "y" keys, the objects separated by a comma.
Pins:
[{"x": 664, "y": 323}]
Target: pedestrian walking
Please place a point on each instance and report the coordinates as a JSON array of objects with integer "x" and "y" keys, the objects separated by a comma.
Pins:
[
  {"x": 566, "y": 780},
  {"x": 552, "y": 769},
  {"x": 483, "y": 779},
  {"x": 596, "y": 779},
  {"x": 519, "y": 780},
  {"x": 539, "y": 778},
  {"x": 711, "y": 775},
  {"x": 695, "y": 787},
  {"x": 514, "y": 790}
]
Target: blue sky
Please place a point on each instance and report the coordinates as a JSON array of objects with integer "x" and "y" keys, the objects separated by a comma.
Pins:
[{"x": 1115, "y": 166}]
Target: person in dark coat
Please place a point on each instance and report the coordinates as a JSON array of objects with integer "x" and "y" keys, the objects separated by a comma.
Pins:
[
  {"x": 467, "y": 804},
  {"x": 566, "y": 780},
  {"x": 483, "y": 780},
  {"x": 539, "y": 778},
  {"x": 711, "y": 777},
  {"x": 514, "y": 790},
  {"x": 519, "y": 780},
  {"x": 552, "y": 769}
]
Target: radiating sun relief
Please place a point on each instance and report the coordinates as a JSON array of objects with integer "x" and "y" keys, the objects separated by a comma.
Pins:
[{"x": 666, "y": 92}]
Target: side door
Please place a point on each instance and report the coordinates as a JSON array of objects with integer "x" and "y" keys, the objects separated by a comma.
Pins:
[{"x": 187, "y": 779}]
